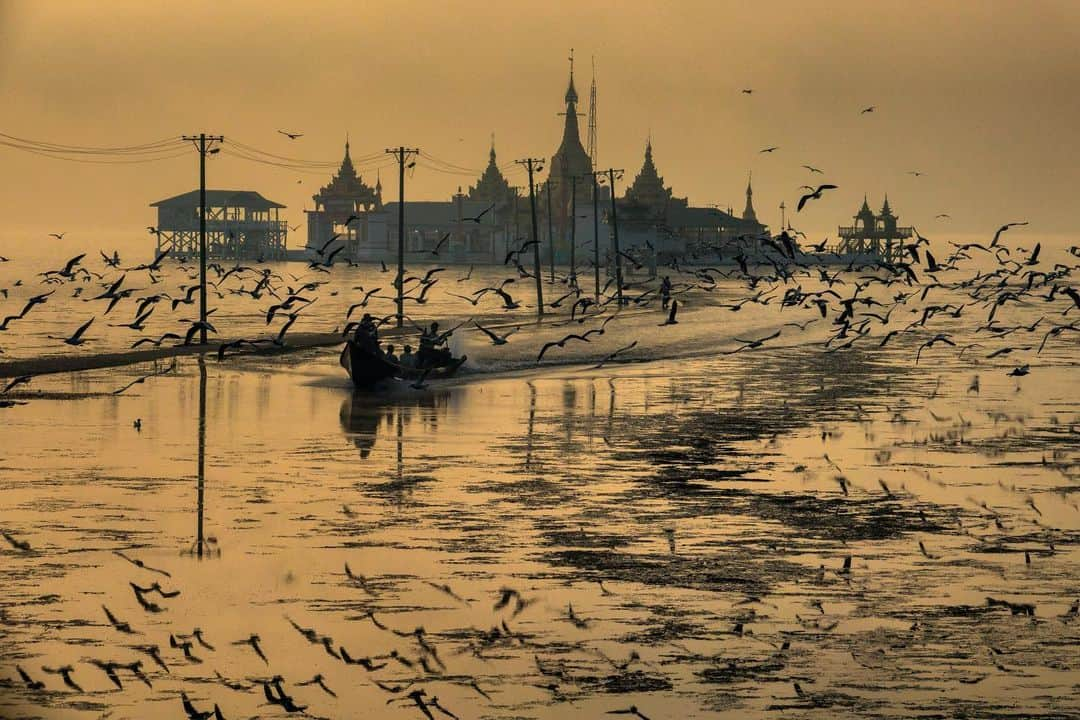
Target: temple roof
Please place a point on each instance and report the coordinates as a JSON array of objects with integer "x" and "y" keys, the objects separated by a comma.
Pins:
[
  {"x": 648, "y": 186},
  {"x": 220, "y": 198},
  {"x": 570, "y": 158},
  {"x": 886, "y": 211},
  {"x": 346, "y": 183},
  {"x": 492, "y": 185},
  {"x": 748, "y": 213}
]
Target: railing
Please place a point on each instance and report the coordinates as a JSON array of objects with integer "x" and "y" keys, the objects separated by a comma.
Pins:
[
  {"x": 855, "y": 232},
  {"x": 219, "y": 225}
]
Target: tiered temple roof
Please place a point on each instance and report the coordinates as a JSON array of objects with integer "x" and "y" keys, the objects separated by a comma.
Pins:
[
  {"x": 570, "y": 159},
  {"x": 347, "y": 190},
  {"x": 648, "y": 188},
  {"x": 492, "y": 186}
]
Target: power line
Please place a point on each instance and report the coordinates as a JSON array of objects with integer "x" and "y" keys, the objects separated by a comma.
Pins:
[
  {"x": 97, "y": 161},
  {"x": 45, "y": 146}
]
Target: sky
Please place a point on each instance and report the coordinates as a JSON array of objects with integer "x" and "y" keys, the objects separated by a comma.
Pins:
[{"x": 979, "y": 97}]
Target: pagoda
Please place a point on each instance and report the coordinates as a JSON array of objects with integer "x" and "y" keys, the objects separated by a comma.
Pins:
[
  {"x": 492, "y": 186},
  {"x": 876, "y": 235},
  {"x": 346, "y": 193},
  {"x": 648, "y": 192},
  {"x": 748, "y": 213},
  {"x": 568, "y": 174},
  {"x": 345, "y": 196}
]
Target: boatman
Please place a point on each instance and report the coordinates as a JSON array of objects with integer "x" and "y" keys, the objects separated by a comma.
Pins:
[
  {"x": 367, "y": 334},
  {"x": 433, "y": 348}
]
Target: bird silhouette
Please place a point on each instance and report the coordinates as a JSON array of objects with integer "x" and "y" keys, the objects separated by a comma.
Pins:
[
  {"x": 77, "y": 337},
  {"x": 815, "y": 195},
  {"x": 496, "y": 339}
]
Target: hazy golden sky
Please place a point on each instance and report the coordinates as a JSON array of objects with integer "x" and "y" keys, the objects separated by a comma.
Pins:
[{"x": 979, "y": 96}]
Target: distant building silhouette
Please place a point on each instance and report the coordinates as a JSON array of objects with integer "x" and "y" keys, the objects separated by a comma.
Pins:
[
  {"x": 569, "y": 161},
  {"x": 344, "y": 196},
  {"x": 872, "y": 234},
  {"x": 492, "y": 187},
  {"x": 240, "y": 225},
  {"x": 650, "y": 214}
]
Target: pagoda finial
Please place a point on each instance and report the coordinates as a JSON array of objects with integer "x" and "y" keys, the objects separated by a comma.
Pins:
[
  {"x": 571, "y": 93},
  {"x": 885, "y": 209},
  {"x": 492, "y": 153},
  {"x": 346, "y": 143},
  {"x": 748, "y": 211}
]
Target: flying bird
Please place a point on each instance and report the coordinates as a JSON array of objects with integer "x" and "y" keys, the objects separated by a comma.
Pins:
[
  {"x": 291, "y": 135},
  {"x": 496, "y": 339},
  {"x": 868, "y": 109},
  {"x": 769, "y": 149},
  {"x": 815, "y": 195},
  {"x": 482, "y": 213},
  {"x": 77, "y": 337}
]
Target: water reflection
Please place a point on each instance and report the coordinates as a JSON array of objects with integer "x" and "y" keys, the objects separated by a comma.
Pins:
[
  {"x": 203, "y": 546},
  {"x": 531, "y": 426},
  {"x": 364, "y": 413}
]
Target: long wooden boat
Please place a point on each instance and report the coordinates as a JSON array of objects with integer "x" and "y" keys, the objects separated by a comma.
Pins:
[{"x": 366, "y": 369}]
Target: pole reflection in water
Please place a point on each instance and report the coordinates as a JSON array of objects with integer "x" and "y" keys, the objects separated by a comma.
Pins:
[
  {"x": 529, "y": 430},
  {"x": 400, "y": 445},
  {"x": 204, "y": 546},
  {"x": 611, "y": 406}
]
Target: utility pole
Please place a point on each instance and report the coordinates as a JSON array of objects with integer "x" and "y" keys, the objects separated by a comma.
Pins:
[
  {"x": 615, "y": 235},
  {"x": 402, "y": 154},
  {"x": 551, "y": 238},
  {"x": 535, "y": 165},
  {"x": 596, "y": 233},
  {"x": 573, "y": 231},
  {"x": 201, "y": 139}
]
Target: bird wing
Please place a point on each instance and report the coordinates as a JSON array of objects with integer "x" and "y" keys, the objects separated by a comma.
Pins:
[
  {"x": 487, "y": 332},
  {"x": 78, "y": 333}
]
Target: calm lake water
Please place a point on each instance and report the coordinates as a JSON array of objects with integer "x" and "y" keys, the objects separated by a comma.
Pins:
[{"x": 782, "y": 532}]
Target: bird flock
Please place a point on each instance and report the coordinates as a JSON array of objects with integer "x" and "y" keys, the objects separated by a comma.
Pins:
[{"x": 862, "y": 299}]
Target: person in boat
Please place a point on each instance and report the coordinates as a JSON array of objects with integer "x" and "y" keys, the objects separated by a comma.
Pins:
[
  {"x": 390, "y": 356},
  {"x": 367, "y": 335},
  {"x": 433, "y": 348},
  {"x": 407, "y": 359},
  {"x": 665, "y": 292}
]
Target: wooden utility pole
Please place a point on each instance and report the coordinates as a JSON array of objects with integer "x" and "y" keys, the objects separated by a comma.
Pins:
[
  {"x": 535, "y": 165},
  {"x": 615, "y": 235},
  {"x": 201, "y": 139},
  {"x": 596, "y": 233},
  {"x": 551, "y": 238},
  {"x": 402, "y": 154},
  {"x": 573, "y": 231}
]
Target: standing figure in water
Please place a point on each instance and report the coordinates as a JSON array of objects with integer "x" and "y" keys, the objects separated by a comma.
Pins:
[{"x": 665, "y": 292}]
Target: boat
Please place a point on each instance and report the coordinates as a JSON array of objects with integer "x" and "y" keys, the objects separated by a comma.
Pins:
[{"x": 366, "y": 368}]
